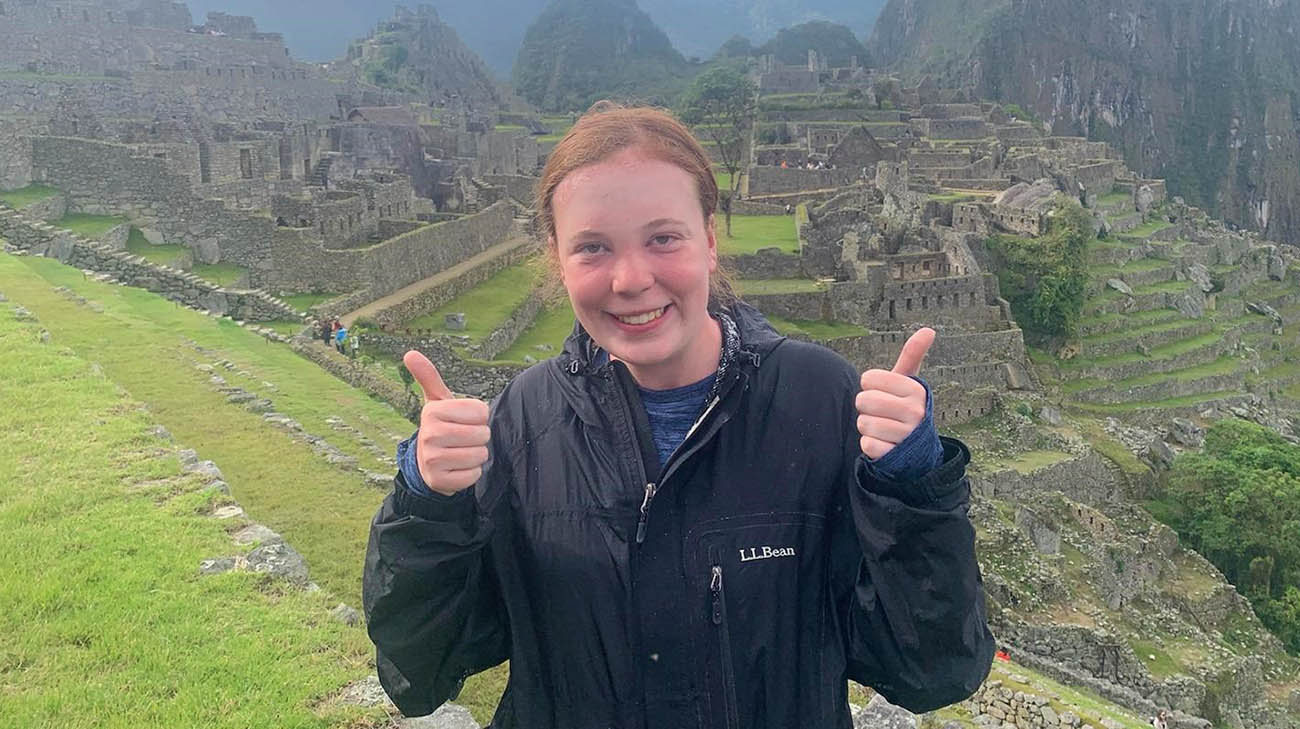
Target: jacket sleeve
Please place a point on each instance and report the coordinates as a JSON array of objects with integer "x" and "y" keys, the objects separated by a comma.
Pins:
[
  {"x": 431, "y": 594},
  {"x": 911, "y": 596}
]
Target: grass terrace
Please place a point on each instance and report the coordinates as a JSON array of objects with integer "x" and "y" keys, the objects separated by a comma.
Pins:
[
  {"x": 551, "y": 326},
  {"x": 817, "y": 330},
  {"x": 221, "y": 274},
  {"x": 24, "y": 196},
  {"x": 749, "y": 233},
  {"x": 91, "y": 226},
  {"x": 779, "y": 286},
  {"x": 164, "y": 255},
  {"x": 303, "y": 302},
  {"x": 1146, "y": 230},
  {"x": 486, "y": 306}
]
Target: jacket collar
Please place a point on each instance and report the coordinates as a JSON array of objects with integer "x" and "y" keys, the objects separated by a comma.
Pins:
[{"x": 757, "y": 338}]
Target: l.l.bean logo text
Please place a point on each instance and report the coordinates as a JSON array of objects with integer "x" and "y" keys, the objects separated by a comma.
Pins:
[{"x": 749, "y": 554}]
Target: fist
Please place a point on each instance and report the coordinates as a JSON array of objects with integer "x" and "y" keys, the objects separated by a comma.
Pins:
[
  {"x": 891, "y": 403},
  {"x": 451, "y": 446}
]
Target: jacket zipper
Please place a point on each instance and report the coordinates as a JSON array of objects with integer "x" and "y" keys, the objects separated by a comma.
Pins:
[
  {"x": 651, "y": 488},
  {"x": 719, "y": 617}
]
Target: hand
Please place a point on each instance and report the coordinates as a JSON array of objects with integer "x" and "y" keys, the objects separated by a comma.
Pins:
[
  {"x": 891, "y": 403},
  {"x": 451, "y": 446}
]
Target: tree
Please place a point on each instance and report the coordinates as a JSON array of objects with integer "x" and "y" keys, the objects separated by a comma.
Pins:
[
  {"x": 719, "y": 103},
  {"x": 1043, "y": 278}
]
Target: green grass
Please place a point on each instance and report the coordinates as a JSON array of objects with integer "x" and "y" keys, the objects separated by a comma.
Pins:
[
  {"x": 91, "y": 226},
  {"x": 24, "y": 196},
  {"x": 752, "y": 232},
  {"x": 486, "y": 306},
  {"x": 303, "y": 302},
  {"x": 779, "y": 286},
  {"x": 221, "y": 274},
  {"x": 552, "y": 325},
  {"x": 724, "y": 181},
  {"x": 1064, "y": 698},
  {"x": 1165, "y": 351},
  {"x": 1105, "y": 444},
  {"x": 166, "y": 255},
  {"x": 817, "y": 330},
  {"x": 1173, "y": 402},
  {"x": 1221, "y": 366},
  {"x": 1140, "y": 265},
  {"x": 106, "y": 621},
  {"x": 1146, "y": 230},
  {"x": 1158, "y": 662},
  {"x": 1113, "y": 198}
]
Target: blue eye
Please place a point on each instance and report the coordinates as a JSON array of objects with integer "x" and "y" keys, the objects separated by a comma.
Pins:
[
  {"x": 590, "y": 248},
  {"x": 662, "y": 240}
]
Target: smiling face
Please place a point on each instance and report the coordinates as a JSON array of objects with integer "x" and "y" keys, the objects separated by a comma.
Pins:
[{"x": 635, "y": 253}]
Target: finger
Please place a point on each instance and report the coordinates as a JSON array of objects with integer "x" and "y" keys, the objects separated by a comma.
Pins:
[
  {"x": 885, "y": 405},
  {"x": 449, "y": 434},
  {"x": 909, "y": 360},
  {"x": 875, "y": 448},
  {"x": 427, "y": 375},
  {"x": 449, "y": 482},
  {"x": 466, "y": 411},
  {"x": 890, "y": 382},
  {"x": 886, "y": 429},
  {"x": 442, "y": 460}
]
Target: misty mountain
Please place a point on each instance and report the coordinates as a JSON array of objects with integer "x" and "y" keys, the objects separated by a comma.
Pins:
[{"x": 321, "y": 30}]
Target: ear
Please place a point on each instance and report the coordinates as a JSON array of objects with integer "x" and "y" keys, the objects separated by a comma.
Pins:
[{"x": 711, "y": 234}]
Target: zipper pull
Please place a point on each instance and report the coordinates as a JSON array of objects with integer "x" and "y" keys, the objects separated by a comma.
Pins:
[
  {"x": 715, "y": 587},
  {"x": 645, "y": 512}
]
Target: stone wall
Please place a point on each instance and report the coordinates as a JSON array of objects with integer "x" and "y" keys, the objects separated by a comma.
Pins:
[
  {"x": 806, "y": 306},
  {"x": 518, "y": 187},
  {"x": 102, "y": 177},
  {"x": 41, "y": 239},
  {"x": 477, "y": 379},
  {"x": 881, "y": 349},
  {"x": 435, "y": 296},
  {"x": 15, "y": 154},
  {"x": 50, "y": 209},
  {"x": 952, "y": 128},
  {"x": 299, "y": 263},
  {"x": 765, "y": 263},
  {"x": 1087, "y": 478},
  {"x": 773, "y": 180}
]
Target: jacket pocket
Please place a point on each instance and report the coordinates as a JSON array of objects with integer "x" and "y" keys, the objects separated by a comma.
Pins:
[{"x": 764, "y": 592}]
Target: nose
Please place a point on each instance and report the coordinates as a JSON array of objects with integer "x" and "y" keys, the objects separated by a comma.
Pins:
[{"x": 632, "y": 275}]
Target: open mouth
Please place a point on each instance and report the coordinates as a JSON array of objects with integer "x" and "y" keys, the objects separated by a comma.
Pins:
[{"x": 643, "y": 318}]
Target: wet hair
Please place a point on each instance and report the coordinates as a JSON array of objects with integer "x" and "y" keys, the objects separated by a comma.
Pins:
[{"x": 608, "y": 128}]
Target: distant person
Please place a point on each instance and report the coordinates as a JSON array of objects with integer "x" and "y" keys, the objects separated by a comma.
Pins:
[
  {"x": 326, "y": 332},
  {"x": 1161, "y": 720},
  {"x": 789, "y": 209},
  {"x": 685, "y": 519},
  {"x": 340, "y": 337},
  {"x": 354, "y": 343}
]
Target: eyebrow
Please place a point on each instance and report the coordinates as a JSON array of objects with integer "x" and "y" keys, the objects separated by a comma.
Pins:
[{"x": 657, "y": 222}]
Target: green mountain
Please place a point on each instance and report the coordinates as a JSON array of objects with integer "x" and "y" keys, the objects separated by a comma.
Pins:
[
  {"x": 1204, "y": 94},
  {"x": 579, "y": 51}
]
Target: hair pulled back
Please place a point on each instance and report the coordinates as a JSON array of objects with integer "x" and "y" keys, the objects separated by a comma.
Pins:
[{"x": 608, "y": 128}]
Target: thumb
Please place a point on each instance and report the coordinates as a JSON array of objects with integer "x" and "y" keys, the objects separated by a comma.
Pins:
[
  {"x": 909, "y": 360},
  {"x": 427, "y": 375}
]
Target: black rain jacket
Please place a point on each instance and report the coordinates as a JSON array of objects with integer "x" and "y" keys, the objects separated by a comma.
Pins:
[{"x": 738, "y": 586}]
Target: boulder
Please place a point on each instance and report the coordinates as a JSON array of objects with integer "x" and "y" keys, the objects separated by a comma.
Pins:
[
  {"x": 448, "y": 716},
  {"x": 1200, "y": 275},
  {"x": 1191, "y": 304},
  {"x": 1186, "y": 433},
  {"x": 1050, "y": 415},
  {"x": 1145, "y": 197},
  {"x": 345, "y": 614},
  {"x": 1259, "y": 307},
  {"x": 218, "y": 565},
  {"x": 256, "y": 534},
  {"x": 1162, "y": 456},
  {"x": 455, "y": 321},
  {"x": 1119, "y": 286},
  {"x": 279, "y": 560},
  {"x": 880, "y": 714}
]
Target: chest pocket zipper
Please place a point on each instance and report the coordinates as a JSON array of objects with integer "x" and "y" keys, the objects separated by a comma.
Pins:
[{"x": 718, "y": 615}]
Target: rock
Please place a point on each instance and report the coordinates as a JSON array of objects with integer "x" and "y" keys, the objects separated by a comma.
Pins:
[
  {"x": 455, "y": 321},
  {"x": 240, "y": 396},
  {"x": 206, "y": 469},
  {"x": 543, "y": 347},
  {"x": 1161, "y": 454},
  {"x": 218, "y": 565},
  {"x": 1293, "y": 702},
  {"x": 261, "y": 405},
  {"x": 22, "y": 313},
  {"x": 1119, "y": 286},
  {"x": 1145, "y": 198},
  {"x": 1198, "y": 274},
  {"x": 1186, "y": 433},
  {"x": 188, "y": 457},
  {"x": 279, "y": 560},
  {"x": 529, "y": 359},
  {"x": 229, "y": 511},
  {"x": 448, "y": 716},
  {"x": 1069, "y": 718},
  {"x": 256, "y": 534},
  {"x": 382, "y": 480},
  {"x": 218, "y": 486},
  {"x": 1050, "y": 415},
  {"x": 366, "y": 692},
  {"x": 1191, "y": 304},
  {"x": 1049, "y": 715},
  {"x": 880, "y": 714},
  {"x": 1110, "y": 723},
  {"x": 1259, "y": 307},
  {"x": 345, "y": 615},
  {"x": 160, "y": 433},
  {"x": 1276, "y": 267}
]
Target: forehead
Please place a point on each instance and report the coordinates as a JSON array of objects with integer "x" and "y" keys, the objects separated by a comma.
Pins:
[{"x": 626, "y": 183}]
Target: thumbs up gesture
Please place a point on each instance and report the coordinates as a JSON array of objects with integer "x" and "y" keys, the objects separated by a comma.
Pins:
[
  {"x": 451, "y": 446},
  {"x": 891, "y": 403}
]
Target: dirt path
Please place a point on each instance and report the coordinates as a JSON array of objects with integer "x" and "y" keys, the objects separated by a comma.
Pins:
[{"x": 501, "y": 249}]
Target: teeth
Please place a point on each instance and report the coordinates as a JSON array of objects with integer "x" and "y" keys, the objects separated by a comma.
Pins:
[{"x": 649, "y": 316}]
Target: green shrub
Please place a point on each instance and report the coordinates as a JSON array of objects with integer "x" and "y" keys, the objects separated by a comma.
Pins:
[{"x": 1043, "y": 278}]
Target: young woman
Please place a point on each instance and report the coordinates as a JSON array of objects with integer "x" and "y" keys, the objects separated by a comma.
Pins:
[{"x": 685, "y": 519}]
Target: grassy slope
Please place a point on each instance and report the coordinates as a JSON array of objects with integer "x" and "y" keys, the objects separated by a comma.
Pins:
[
  {"x": 106, "y": 622},
  {"x": 24, "y": 196},
  {"x": 752, "y": 232}
]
